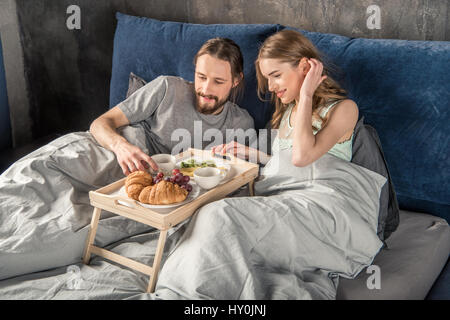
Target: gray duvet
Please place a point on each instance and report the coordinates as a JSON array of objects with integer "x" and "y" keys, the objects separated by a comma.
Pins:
[{"x": 305, "y": 228}]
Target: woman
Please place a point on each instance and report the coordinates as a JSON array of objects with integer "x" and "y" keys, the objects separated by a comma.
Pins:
[
  {"x": 289, "y": 66},
  {"x": 315, "y": 215}
]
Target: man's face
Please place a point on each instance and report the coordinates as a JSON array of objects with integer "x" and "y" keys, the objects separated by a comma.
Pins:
[{"x": 213, "y": 83}]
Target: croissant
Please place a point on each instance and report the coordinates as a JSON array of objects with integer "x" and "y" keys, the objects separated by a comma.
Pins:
[
  {"x": 137, "y": 181},
  {"x": 164, "y": 192}
]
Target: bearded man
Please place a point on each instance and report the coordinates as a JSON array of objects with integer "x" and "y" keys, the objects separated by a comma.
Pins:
[{"x": 170, "y": 107}]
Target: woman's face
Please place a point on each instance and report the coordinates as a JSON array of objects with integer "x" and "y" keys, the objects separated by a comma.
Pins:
[{"x": 284, "y": 79}]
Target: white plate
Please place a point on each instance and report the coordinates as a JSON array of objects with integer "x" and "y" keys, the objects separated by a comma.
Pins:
[
  {"x": 218, "y": 162},
  {"x": 195, "y": 192}
]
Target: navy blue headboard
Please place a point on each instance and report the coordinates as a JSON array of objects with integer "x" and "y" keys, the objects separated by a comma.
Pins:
[
  {"x": 5, "y": 125},
  {"x": 402, "y": 90}
]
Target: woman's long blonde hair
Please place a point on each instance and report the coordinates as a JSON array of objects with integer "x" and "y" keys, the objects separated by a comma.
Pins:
[{"x": 291, "y": 46}]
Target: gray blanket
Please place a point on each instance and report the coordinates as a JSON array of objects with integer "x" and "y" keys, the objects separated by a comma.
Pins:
[
  {"x": 44, "y": 203},
  {"x": 304, "y": 229}
]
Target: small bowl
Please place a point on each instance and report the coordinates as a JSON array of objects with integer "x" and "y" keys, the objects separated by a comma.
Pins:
[
  {"x": 165, "y": 162},
  {"x": 208, "y": 177}
]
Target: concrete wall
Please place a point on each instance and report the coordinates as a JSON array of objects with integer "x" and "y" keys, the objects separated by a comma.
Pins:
[{"x": 60, "y": 77}]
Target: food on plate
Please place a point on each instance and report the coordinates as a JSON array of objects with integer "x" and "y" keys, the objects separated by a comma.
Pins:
[
  {"x": 188, "y": 167},
  {"x": 191, "y": 163},
  {"x": 163, "y": 192},
  {"x": 141, "y": 186},
  {"x": 137, "y": 181}
]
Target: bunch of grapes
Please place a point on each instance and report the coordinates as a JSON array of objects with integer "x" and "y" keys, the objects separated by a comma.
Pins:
[{"x": 177, "y": 177}]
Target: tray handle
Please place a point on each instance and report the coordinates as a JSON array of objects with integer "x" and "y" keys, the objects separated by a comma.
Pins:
[{"x": 131, "y": 203}]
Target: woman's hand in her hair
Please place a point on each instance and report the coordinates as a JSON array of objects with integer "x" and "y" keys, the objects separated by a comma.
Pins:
[{"x": 312, "y": 79}]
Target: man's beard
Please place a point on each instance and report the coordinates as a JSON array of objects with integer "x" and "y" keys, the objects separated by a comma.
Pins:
[{"x": 208, "y": 109}]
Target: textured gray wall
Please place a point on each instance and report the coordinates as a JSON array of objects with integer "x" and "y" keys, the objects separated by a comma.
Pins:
[
  {"x": 64, "y": 84},
  {"x": 15, "y": 74},
  {"x": 400, "y": 19}
]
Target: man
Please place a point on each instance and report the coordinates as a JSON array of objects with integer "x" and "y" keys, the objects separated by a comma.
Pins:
[
  {"x": 44, "y": 198},
  {"x": 169, "y": 104}
]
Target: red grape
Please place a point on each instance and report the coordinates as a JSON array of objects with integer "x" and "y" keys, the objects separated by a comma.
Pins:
[
  {"x": 160, "y": 175},
  {"x": 189, "y": 187},
  {"x": 186, "y": 179}
]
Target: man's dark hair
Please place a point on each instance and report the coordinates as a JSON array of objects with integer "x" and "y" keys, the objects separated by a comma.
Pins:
[{"x": 227, "y": 50}]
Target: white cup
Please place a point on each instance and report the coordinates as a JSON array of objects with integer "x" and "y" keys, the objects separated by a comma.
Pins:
[
  {"x": 208, "y": 177},
  {"x": 165, "y": 162}
]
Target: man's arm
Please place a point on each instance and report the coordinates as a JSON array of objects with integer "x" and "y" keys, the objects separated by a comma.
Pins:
[{"x": 130, "y": 157}]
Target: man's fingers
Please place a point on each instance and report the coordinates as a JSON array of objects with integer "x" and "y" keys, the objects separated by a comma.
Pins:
[
  {"x": 132, "y": 167},
  {"x": 125, "y": 169},
  {"x": 138, "y": 165},
  {"x": 145, "y": 164},
  {"x": 150, "y": 161}
]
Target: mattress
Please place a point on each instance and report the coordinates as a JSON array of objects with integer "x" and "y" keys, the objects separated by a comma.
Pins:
[{"x": 417, "y": 252}]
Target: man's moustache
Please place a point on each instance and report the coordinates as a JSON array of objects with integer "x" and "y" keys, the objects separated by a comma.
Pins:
[{"x": 206, "y": 96}]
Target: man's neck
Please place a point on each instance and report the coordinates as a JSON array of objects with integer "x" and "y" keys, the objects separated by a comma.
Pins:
[{"x": 218, "y": 111}]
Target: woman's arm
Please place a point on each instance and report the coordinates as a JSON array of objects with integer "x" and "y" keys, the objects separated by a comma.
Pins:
[
  {"x": 308, "y": 147},
  {"x": 242, "y": 151}
]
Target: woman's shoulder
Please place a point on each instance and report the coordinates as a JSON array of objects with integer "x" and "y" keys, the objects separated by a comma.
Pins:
[
  {"x": 340, "y": 111},
  {"x": 342, "y": 106}
]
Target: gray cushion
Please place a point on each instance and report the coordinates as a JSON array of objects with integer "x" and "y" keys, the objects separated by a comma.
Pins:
[
  {"x": 417, "y": 253},
  {"x": 134, "y": 83},
  {"x": 368, "y": 153}
]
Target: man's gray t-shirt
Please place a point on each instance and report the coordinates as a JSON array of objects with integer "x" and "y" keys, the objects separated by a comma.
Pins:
[{"x": 165, "y": 108}]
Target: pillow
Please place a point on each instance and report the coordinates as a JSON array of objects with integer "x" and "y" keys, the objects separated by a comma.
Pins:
[
  {"x": 134, "y": 83},
  {"x": 367, "y": 152},
  {"x": 152, "y": 48}
]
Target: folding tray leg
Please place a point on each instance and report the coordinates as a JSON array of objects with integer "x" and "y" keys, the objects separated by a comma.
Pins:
[
  {"x": 91, "y": 235},
  {"x": 251, "y": 187},
  {"x": 157, "y": 261}
]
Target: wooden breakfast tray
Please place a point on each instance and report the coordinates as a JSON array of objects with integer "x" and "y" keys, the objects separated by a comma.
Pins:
[{"x": 107, "y": 198}]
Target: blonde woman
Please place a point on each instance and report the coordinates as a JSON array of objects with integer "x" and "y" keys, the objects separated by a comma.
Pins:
[{"x": 312, "y": 114}]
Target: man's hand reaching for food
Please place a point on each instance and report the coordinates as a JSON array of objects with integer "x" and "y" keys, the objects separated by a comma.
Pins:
[{"x": 131, "y": 158}]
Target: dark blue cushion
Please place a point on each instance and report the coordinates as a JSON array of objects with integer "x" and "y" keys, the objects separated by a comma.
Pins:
[
  {"x": 402, "y": 89},
  {"x": 5, "y": 125},
  {"x": 150, "y": 48}
]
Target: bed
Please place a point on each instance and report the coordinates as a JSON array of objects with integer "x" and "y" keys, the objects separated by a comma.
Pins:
[{"x": 45, "y": 217}]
